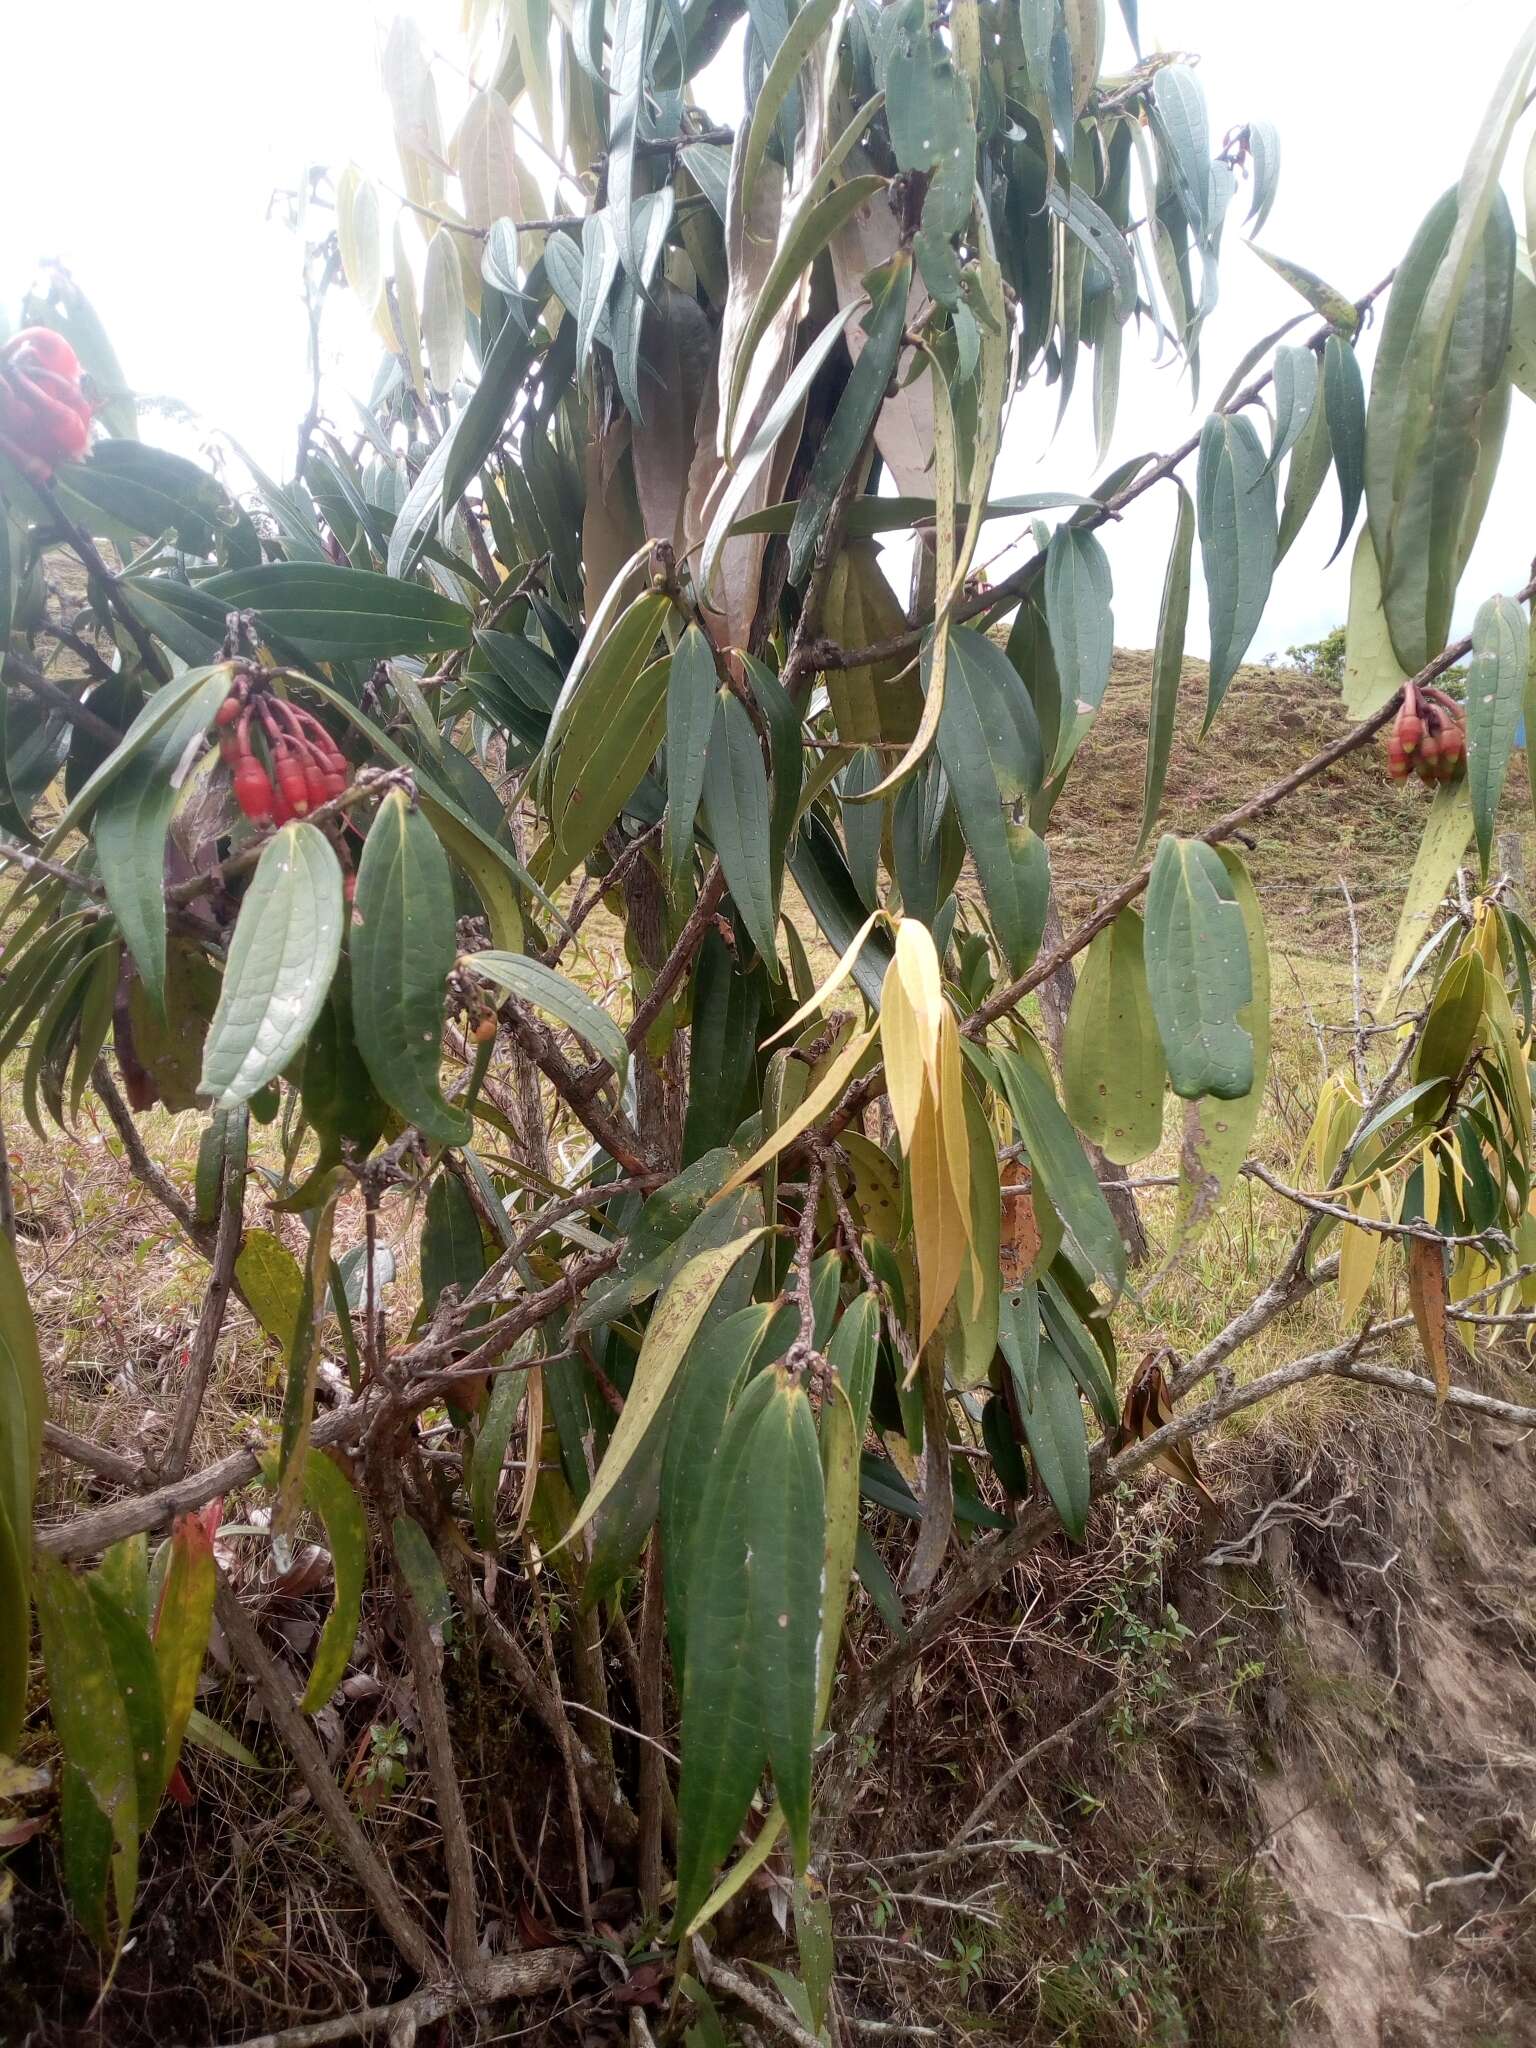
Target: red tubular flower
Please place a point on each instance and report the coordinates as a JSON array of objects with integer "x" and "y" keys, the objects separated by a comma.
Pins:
[{"x": 45, "y": 417}]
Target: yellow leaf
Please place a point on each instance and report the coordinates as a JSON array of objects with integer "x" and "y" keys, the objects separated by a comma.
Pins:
[
  {"x": 938, "y": 1227},
  {"x": 1358, "y": 1252},
  {"x": 901, "y": 1048},
  {"x": 821, "y": 1097},
  {"x": 834, "y": 980}
]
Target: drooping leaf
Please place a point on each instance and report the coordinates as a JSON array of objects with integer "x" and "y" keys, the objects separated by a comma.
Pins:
[
  {"x": 92, "y": 1725},
  {"x": 1113, "y": 1070},
  {"x": 1052, "y": 1415},
  {"x": 1235, "y": 505},
  {"x": 989, "y": 743},
  {"x": 1371, "y": 673},
  {"x": 1296, "y": 392},
  {"x": 534, "y": 983},
  {"x": 1427, "y": 1297},
  {"x": 723, "y": 1745},
  {"x": 720, "y": 1357},
  {"x": 281, "y": 960},
  {"x": 1217, "y": 1132},
  {"x": 691, "y": 686},
  {"x": 182, "y": 1623},
  {"x": 785, "y": 1538},
  {"x": 736, "y": 805},
  {"x": 722, "y": 1046},
  {"x": 1425, "y": 443},
  {"x": 134, "y": 813},
  {"x": 1198, "y": 972},
  {"x": 668, "y": 1334},
  {"x": 1078, "y": 589},
  {"x": 1446, "y": 832},
  {"x": 1167, "y": 662},
  {"x": 402, "y": 946},
  {"x": 1062, "y": 1165},
  {"x": 1495, "y": 689},
  {"x": 1344, "y": 396}
]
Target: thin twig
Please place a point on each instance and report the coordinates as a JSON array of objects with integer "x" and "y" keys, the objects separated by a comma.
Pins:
[
  {"x": 502, "y": 1977},
  {"x": 221, "y": 1280},
  {"x": 299, "y": 1739}
]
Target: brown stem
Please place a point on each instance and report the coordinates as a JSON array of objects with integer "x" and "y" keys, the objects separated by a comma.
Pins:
[
  {"x": 221, "y": 1280},
  {"x": 48, "y": 692},
  {"x": 90, "y": 555},
  {"x": 502, "y": 1977},
  {"x": 566, "y": 1737},
  {"x": 463, "y": 1918},
  {"x": 299, "y": 1739},
  {"x": 598, "y": 1786},
  {"x": 143, "y": 1168},
  {"x": 94, "y": 1457}
]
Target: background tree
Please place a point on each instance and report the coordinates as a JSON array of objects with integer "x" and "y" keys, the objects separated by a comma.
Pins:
[{"x": 589, "y": 618}]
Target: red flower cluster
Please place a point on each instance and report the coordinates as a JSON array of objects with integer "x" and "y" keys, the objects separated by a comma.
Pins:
[
  {"x": 307, "y": 766},
  {"x": 1427, "y": 737},
  {"x": 45, "y": 418}
]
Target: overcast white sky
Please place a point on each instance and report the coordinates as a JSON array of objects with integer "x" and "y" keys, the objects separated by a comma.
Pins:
[{"x": 141, "y": 144}]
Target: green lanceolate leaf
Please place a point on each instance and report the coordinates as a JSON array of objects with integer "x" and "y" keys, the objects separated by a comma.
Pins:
[
  {"x": 1078, "y": 589},
  {"x": 534, "y": 983},
  {"x": 272, "y": 1281},
  {"x": 609, "y": 741},
  {"x": 736, "y": 806},
  {"x": 281, "y": 960},
  {"x": 691, "y": 686},
  {"x": 1235, "y": 503},
  {"x": 989, "y": 743},
  {"x": 719, "y": 1359},
  {"x": 1113, "y": 1070},
  {"x": 863, "y": 395},
  {"x": 786, "y": 1524},
  {"x": 1061, "y": 1163},
  {"x": 1296, "y": 392},
  {"x": 1446, "y": 832},
  {"x": 1495, "y": 690},
  {"x": 1217, "y": 1132},
  {"x": 723, "y": 1744},
  {"x": 1424, "y": 445},
  {"x": 1305, "y": 475},
  {"x": 134, "y": 813},
  {"x": 182, "y": 1623},
  {"x": 332, "y": 614},
  {"x": 722, "y": 1046},
  {"x": 971, "y": 1336},
  {"x": 1058, "y": 1443},
  {"x": 1371, "y": 673},
  {"x": 91, "y": 1723},
  {"x": 402, "y": 946},
  {"x": 1344, "y": 396},
  {"x": 452, "y": 1242},
  {"x": 1198, "y": 973},
  {"x": 668, "y": 1334},
  {"x": 490, "y": 1453},
  {"x": 1168, "y": 662},
  {"x": 23, "y": 1405}
]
